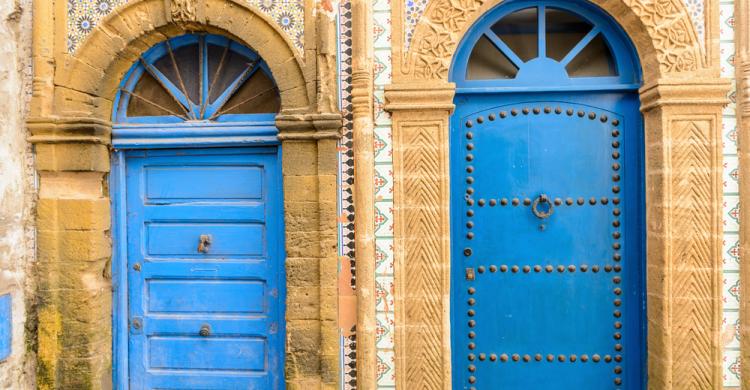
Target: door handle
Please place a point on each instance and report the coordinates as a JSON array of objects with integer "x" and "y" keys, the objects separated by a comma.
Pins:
[
  {"x": 544, "y": 212},
  {"x": 205, "y": 331},
  {"x": 203, "y": 243}
]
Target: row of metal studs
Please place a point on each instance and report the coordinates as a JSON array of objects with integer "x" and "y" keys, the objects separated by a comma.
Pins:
[
  {"x": 527, "y": 202},
  {"x": 547, "y": 110},
  {"x": 467, "y": 251},
  {"x": 503, "y": 358},
  {"x": 616, "y": 235},
  {"x": 548, "y": 268}
]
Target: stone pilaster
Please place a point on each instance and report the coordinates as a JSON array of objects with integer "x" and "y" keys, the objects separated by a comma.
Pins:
[
  {"x": 684, "y": 231},
  {"x": 74, "y": 251},
  {"x": 421, "y": 116}
]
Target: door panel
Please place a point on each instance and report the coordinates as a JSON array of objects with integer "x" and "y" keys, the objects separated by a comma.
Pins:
[
  {"x": 205, "y": 269},
  {"x": 547, "y": 246}
]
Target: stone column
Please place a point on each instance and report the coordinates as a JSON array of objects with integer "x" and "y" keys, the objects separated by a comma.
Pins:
[
  {"x": 421, "y": 116},
  {"x": 364, "y": 191},
  {"x": 684, "y": 231},
  {"x": 73, "y": 261},
  {"x": 310, "y": 165}
]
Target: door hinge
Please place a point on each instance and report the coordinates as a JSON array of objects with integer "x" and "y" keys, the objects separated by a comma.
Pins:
[{"x": 470, "y": 274}]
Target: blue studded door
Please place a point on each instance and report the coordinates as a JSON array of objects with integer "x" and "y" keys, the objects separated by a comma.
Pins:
[
  {"x": 205, "y": 269},
  {"x": 547, "y": 210}
]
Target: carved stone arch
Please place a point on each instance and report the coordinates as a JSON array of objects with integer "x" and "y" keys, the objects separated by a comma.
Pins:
[
  {"x": 661, "y": 30},
  {"x": 681, "y": 100},
  {"x": 98, "y": 65}
]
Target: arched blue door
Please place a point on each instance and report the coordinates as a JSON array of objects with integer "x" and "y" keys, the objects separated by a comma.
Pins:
[
  {"x": 198, "y": 220},
  {"x": 547, "y": 204}
]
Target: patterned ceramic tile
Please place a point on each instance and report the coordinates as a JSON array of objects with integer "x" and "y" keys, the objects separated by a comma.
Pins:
[
  {"x": 384, "y": 293},
  {"x": 383, "y": 195},
  {"x": 383, "y": 141},
  {"x": 731, "y": 206},
  {"x": 731, "y": 252},
  {"x": 383, "y": 182},
  {"x": 731, "y": 290},
  {"x": 384, "y": 256},
  {"x": 384, "y": 330},
  {"x": 731, "y": 216},
  {"x": 413, "y": 10},
  {"x": 384, "y": 219},
  {"x": 697, "y": 14},
  {"x": 386, "y": 371},
  {"x": 732, "y": 368},
  {"x": 83, "y": 16},
  {"x": 729, "y": 134},
  {"x": 731, "y": 330},
  {"x": 726, "y": 53}
]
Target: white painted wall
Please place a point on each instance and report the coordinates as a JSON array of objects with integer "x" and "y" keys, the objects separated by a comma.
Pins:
[{"x": 16, "y": 183}]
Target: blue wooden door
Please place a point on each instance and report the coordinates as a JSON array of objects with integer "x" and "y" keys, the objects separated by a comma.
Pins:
[
  {"x": 205, "y": 269},
  {"x": 196, "y": 183},
  {"x": 547, "y": 207}
]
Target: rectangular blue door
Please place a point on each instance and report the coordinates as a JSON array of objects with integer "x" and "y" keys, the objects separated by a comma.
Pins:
[
  {"x": 547, "y": 248},
  {"x": 205, "y": 269}
]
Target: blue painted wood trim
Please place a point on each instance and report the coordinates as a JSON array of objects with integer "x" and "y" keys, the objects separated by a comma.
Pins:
[
  {"x": 191, "y": 134},
  {"x": 6, "y": 326},
  {"x": 118, "y": 195}
]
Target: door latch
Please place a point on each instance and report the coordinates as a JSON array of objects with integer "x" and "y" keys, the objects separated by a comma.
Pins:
[
  {"x": 470, "y": 274},
  {"x": 203, "y": 243}
]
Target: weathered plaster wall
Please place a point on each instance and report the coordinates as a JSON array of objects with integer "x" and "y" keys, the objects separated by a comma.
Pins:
[{"x": 16, "y": 194}]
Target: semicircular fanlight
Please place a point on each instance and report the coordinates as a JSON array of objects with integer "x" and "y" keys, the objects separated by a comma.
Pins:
[
  {"x": 197, "y": 78},
  {"x": 542, "y": 40}
]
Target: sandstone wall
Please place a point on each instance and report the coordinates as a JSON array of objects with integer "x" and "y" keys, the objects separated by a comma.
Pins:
[{"x": 16, "y": 184}]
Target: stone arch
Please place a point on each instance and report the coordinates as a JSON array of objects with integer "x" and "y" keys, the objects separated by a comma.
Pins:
[
  {"x": 70, "y": 127},
  {"x": 681, "y": 100},
  {"x": 662, "y": 32},
  {"x": 99, "y": 64}
]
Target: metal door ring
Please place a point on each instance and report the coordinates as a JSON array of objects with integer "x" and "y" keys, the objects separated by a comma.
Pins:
[{"x": 542, "y": 214}]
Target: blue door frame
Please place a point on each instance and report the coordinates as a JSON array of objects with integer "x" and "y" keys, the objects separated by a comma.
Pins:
[
  {"x": 238, "y": 144},
  {"x": 547, "y": 201}
]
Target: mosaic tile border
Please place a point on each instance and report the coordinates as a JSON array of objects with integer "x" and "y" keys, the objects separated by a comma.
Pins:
[
  {"x": 384, "y": 287},
  {"x": 84, "y": 15},
  {"x": 731, "y": 261},
  {"x": 346, "y": 183}
]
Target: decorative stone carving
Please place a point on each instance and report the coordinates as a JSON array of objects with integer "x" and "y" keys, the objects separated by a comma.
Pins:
[
  {"x": 672, "y": 32},
  {"x": 182, "y": 10},
  {"x": 444, "y": 22},
  {"x": 694, "y": 269}
]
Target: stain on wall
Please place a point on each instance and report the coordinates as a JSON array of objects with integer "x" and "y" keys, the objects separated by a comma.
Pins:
[{"x": 16, "y": 193}]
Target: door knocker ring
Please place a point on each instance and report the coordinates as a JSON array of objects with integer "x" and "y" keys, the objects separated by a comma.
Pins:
[{"x": 541, "y": 214}]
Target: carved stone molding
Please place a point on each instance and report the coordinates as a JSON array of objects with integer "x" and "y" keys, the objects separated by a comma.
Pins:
[
  {"x": 309, "y": 126},
  {"x": 52, "y": 130},
  {"x": 422, "y": 231},
  {"x": 666, "y": 25}
]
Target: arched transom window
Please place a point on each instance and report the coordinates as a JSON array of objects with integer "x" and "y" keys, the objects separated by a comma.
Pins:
[
  {"x": 197, "y": 77},
  {"x": 536, "y": 43}
]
